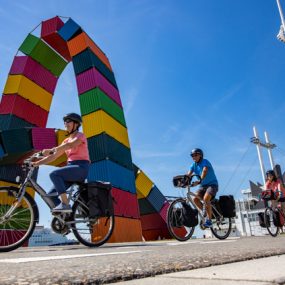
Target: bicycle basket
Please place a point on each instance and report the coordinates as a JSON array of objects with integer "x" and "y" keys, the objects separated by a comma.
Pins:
[
  {"x": 181, "y": 181},
  {"x": 268, "y": 195}
]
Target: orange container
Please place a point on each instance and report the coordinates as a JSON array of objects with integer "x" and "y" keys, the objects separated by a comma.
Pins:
[
  {"x": 81, "y": 42},
  {"x": 126, "y": 230}
]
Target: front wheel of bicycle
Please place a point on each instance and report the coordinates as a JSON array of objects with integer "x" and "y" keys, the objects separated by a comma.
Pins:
[
  {"x": 222, "y": 227},
  {"x": 91, "y": 232},
  {"x": 16, "y": 227},
  {"x": 175, "y": 221},
  {"x": 269, "y": 216}
]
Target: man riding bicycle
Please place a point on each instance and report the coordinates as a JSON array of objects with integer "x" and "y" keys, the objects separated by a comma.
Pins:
[{"x": 209, "y": 183}]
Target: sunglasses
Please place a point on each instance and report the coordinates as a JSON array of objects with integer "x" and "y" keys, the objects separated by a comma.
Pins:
[
  {"x": 195, "y": 154},
  {"x": 68, "y": 121}
]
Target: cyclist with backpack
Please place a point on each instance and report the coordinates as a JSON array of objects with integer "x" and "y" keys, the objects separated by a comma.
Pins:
[
  {"x": 76, "y": 148},
  {"x": 209, "y": 183},
  {"x": 275, "y": 184}
]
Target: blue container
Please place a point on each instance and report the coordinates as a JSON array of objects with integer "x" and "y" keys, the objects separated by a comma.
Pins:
[
  {"x": 69, "y": 30},
  {"x": 86, "y": 60},
  {"x": 156, "y": 198},
  {"x": 9, "y": 173},
  {"x": 119, "y": 176},
  {"x": 13, "y": 122},
  {"x": 145, "y": 207}
]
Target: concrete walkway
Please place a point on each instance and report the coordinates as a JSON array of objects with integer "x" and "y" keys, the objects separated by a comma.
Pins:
[{"x": 270, "y": 270}]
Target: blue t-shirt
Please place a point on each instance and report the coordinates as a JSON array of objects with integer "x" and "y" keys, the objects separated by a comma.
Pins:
[{"x": 210, "y": 178}]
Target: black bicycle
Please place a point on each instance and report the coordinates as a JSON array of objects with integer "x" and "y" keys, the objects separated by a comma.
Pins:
[
  {"x": 183, "y": 215},
  {"x": 19, "y": 214}
]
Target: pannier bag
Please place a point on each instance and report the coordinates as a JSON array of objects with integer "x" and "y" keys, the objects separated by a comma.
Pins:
[
  {"x": 262, "y": 221},
  {"x": 177, "y": 219},
  {"x": 181, "y": 181},
  {"x": 100, "y": 200},
  {"x": 190, "y": 215},
  {"x": 216, "y": 208},
  {"x": 268, "y": 195},
  {"x": 278, "y": 219},
  {"x": 228, "y": 207}
]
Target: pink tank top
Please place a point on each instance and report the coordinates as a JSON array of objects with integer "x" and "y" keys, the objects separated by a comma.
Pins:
[{"x": 79, "y": 152}]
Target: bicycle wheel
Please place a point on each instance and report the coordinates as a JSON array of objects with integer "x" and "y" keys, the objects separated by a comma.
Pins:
[
  {"x": 91, "y": 232},
  {"x": 222, "y": 227},
  {"x": 175, "y": 222},
  {"x": 16, "y": 228},
  {"x": 269, "y": 222}
]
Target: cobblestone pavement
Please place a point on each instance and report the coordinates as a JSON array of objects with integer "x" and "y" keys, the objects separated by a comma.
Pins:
[{"x": 116, "y": 262}]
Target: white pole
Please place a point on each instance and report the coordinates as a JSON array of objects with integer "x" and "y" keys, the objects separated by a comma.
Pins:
[
  {"x": 281, "y": 14},
  {"x": 269, "y": 151},
  {"x": 259, "y": 156}
]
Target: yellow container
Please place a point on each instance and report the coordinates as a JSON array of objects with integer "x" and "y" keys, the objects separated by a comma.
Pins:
[
  {"x": 143, "y": 185},
  {"x": 98, "y": 122},
  {"x": 60, "y": 137},
  {"x": 19, "y": 84}
]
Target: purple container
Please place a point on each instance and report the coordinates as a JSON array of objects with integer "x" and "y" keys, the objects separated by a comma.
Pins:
[
  {"x": 43, "y": 138},
  {"x": 93, "y": 78},
  {"x": 28, "y": 67}
]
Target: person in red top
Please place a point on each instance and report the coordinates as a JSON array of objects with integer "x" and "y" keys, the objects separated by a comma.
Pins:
[
  {"x": 78, "y": 161},
  {"x": 276, "y": 185}
]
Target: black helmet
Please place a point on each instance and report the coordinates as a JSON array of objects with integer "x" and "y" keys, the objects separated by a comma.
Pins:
[
  {"x": 197, "y": 150},
  {"x": 73, "y": 117},
  {"x": 271, "y": 172}
]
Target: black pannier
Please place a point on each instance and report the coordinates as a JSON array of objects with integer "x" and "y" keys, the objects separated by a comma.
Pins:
[
  {"x": 228, "y": 207},
  {"x": 216, "y": 208},
  {"x": 189, "y": 215},
  {"x": 261, "y": 220},
  {"x": 278, "y": 219},
  {"x": 177, "y": 218},
  {"x": 100, "y": 200}
]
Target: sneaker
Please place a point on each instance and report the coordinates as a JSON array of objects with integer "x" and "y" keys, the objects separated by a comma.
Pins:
[
  {"x": 63, "y": 208},
  {"x": 208, "y": 224}
]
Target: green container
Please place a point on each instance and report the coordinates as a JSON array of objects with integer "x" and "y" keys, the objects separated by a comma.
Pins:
[
  {"x": 105, "y": 147},
  {"x": 145, "y": 207},
  {"x": 42, "y": 53},
  {"x": 95, "y": 99},
  {"x": 86, "y": 60},
  {"x": 17, "y": 141}
]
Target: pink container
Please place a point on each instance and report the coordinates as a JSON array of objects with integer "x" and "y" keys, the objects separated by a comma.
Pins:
[
  {"x": 49, "y": 34},
  {"x": 43, "y": 138},
  {"x": 152, "y": 221},
  {"x": 93, "y": 78},
  {"x": 28, "y": 67},
  {"x": 163, "y": 211},
  {"x": 24, "y": 109},
  {"x": 126, "y": 204}
]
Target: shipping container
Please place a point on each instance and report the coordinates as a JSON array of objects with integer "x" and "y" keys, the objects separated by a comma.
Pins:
[
  {"x": 9, "y": 121},
  {"x": 91, "y": 79},
  {"x": 156, "y": 198},
  {"x": 143, "y": 185},
  {"x": 152, "y": 221},
  {"x": 145, "y": 207},
  {"x": 163, "y": 211},
  {"x": 69, "y": 30},
  {"x": 9, "y": 173},
  {"x": 43, "y": 138}
]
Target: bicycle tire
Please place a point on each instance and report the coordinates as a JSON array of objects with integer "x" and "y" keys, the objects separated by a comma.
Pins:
[
  {"x": 269, "y": 223},
  {"x": 221, "y": 227},
  {"x": 91, "y": 233},
  {"x": 177, "y": 230},
  {"x": 16, "y": 230}
]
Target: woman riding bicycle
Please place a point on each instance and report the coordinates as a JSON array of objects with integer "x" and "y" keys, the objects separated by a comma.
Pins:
[
  {"x": 209, "y": 183},
  {"x": 275, "y": 184},
  {"x": 78, "y": 161}
]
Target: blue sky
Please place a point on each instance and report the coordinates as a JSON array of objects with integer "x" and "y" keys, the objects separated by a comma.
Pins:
[{"x": 190, "y": 74}]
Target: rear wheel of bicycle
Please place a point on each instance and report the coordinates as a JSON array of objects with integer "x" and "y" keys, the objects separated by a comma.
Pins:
[
  {"x": 174, "y": 221},
  {"x": 91, "y": 232},
  {"x": 222, "y": 227},
  {"x": 16, "y": 228},
  {"x": 269, "y": 222}
]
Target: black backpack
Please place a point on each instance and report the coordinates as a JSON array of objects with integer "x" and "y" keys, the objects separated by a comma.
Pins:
[
  {"x": 189, "y": 215},
  {"x": 100, "y": 200}
]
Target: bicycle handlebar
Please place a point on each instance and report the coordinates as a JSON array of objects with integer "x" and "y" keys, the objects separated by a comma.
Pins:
[{"x": 184, "y": 181}]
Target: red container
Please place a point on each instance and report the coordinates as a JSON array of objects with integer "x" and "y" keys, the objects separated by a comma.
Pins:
[
  {"x": 49, "y": 34},
  {"x": 152, "y": 221},
  {"x": 126, "y": 204},
  {"x": 24, "y": 109},
  {"x": 43, "y": 138},
  {"x": 91, "y": 79},
  {"x": 31, "y": 69}
]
